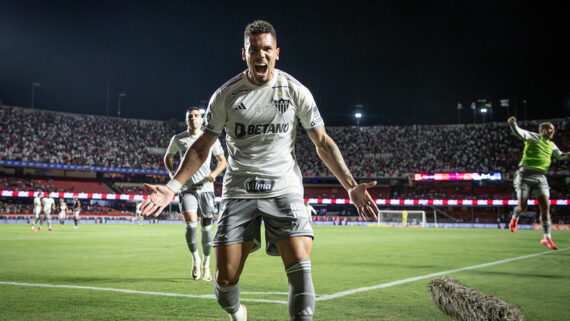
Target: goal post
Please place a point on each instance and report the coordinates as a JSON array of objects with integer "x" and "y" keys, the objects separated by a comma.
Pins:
[{"x": 402, "y": 217}]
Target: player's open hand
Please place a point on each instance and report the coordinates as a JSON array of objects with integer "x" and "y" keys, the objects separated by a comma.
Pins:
[
  {"x": 157, "y": 201},
  {"x": 365, "y": 205}
]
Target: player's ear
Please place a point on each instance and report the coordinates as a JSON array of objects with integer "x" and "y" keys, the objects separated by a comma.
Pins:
[{"x": 243, "y": 54}]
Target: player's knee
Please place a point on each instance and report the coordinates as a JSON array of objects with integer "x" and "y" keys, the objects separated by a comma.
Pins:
[
  {"x": 226, "y": 274},
  {"x": 225, "y": 279}
]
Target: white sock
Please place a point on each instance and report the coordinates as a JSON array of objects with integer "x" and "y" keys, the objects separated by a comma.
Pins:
[
  {"x": 206, "y": 261},
  {"x": 195, "y": 256},
  {"x": 239, "y": 315}
]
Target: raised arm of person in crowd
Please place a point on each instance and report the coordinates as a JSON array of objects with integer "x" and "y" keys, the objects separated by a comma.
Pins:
[
  {"x": 162, "y": 195},
  {"x": 330, "y": 154}
]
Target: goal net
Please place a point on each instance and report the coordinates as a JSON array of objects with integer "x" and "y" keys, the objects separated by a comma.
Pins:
[{"x": 402, "y": 217}]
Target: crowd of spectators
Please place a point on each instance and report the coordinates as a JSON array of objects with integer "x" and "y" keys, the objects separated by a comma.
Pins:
[
  {"x": 63, "y": 138},
  {"x": 26, "y": 184},
  {"x": 395, "y": 151},
  {"x": 375, "y": 151}
]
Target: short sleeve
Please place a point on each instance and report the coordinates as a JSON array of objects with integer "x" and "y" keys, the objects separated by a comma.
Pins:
[
  {"x": 172, "y": 147},
  {"x": 308, "y": 112},
  {"x": 217, "y": 149},
  {"x": 215, "y": 115}
]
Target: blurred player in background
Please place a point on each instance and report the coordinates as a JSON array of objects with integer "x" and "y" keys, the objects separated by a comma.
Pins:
[
  {"x": 138, "y": 212},
  {"x": 535, "y": 163},
  {"x": 37, "y": 211},
  {"x": 197, "y": 195},
  {"x": 260, "y": 110},
  {"x": 62, "y": 212},
  {"x": 310, "y": 210},
  {"x": 404, "y": 218},
  {"x": 48, "y": 205},
  {"x": 76, "y": 206}
]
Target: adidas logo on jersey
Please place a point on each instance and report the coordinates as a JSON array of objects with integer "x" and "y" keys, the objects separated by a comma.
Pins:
[{"x": 241, "y": 106}]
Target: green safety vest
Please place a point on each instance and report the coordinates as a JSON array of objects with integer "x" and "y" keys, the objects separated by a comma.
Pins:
[{"x": 538, "y": 155}]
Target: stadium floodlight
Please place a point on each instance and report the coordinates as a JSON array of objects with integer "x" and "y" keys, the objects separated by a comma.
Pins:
[
  {"x": 34, "y": 85},
  {"x": 121, "y": 95},
  {"x": 358, "y": 116},
  {"x": 201, "y": 111},
  {"x": 483, "y": 110}
]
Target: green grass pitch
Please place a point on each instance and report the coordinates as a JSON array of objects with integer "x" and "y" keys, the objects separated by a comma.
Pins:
[{"x": 347, "y": 261}]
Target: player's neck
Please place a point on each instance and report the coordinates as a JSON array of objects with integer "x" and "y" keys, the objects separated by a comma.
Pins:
[
  {"x": 194, "y": 132},
  {"x": 254, "y": 82}
]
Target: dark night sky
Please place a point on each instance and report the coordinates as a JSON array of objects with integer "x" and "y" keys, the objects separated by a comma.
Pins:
[{"x": 406, "y": 63}]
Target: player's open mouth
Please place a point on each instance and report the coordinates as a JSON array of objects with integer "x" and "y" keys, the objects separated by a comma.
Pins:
[{"x": 260, "y": 68}]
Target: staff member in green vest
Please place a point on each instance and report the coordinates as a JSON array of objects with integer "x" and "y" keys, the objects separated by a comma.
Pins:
[{"x": 538, "y": 151}]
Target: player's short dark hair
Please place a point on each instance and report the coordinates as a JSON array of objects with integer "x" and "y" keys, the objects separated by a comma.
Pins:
[
  {"x": 189, "y": 109},
  {"x": 257, "y": 27}
]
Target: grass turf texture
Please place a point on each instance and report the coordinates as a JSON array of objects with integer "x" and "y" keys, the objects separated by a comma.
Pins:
[{"x": 155, "y": 258}]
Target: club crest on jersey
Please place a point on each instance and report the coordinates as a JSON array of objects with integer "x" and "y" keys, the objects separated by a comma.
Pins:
[
  {"x": 281, "y": 105},
  {"x": 259, "y": 185}
]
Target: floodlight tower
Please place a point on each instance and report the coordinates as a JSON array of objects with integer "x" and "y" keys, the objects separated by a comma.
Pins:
[
  {"x": 358, "y": 113},
  {"x": 34, "y": 85},
  {"x": 484, "y": 111},
  {"x": 121, "y": 95}
]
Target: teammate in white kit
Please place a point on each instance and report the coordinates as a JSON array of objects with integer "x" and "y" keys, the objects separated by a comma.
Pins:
[
  {"x": 310, "y": 210},
  {"x": 48, "y": 204},
  {"x": 62, "y": 212},
  {"x": 37, "y": 211},
  {"x": 76, "y": 210},
  {"x": 260, "y": 110},
  {"x": 138, "y": 217},
  {"x": 197, "y": 195}
]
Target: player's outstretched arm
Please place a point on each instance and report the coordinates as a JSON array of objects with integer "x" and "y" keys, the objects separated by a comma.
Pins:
[
  {"x": 521, "y": 133},
  {"x": 193, "y": 159},
  {"x": 330, "y": 154}
]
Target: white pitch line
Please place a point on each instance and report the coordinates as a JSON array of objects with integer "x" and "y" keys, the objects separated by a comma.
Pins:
[
  {"x": 319, "y": 297},
  {"x": 427, "y": 276},
  {"x": 202, "y": 296}
]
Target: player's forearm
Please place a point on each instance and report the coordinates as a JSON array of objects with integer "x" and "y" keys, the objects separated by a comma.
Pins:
[
  {"x": 191, "y": 162},
  {"x": 195, "y": 156},
  {"x": 330, "y": 154},
  {"x": 521, "y": 133},
  {"x": 168, "y": 164}
]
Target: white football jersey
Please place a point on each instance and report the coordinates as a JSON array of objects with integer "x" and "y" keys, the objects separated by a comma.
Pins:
[
  {"x": 180, "y": 144},
  {"x": 47, "y": 203},
  {"x": 37, "y": 203},
  {"x": 261, "y": 123},
  {"x": 63, "y": 208}
]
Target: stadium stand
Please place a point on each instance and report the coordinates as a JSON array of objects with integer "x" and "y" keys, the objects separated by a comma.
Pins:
[
  {"x": 387, "y": 151},
  {"x": 390, "y": 154}
]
